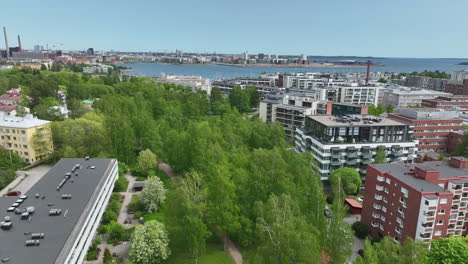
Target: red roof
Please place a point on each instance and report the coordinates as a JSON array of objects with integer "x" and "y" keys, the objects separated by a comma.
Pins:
[
  {"x": 10, "y": 96},
  {"x": 353, "y": 203}
]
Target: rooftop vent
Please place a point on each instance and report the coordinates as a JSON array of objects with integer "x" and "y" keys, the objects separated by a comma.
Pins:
[
  {"x": 86, "y": 158},
  {"x": 37, "y": 235},
  {"x": 55, "y": 212},
  {"x": 5, "y": 225},
  {"x": 66, "y": 196},
  {"x": 32, "y": 243}
]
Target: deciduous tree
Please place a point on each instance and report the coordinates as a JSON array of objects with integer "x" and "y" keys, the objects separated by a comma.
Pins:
[
  {"x": 150, "y": 244},
  {"x": 153, "y": 194}
]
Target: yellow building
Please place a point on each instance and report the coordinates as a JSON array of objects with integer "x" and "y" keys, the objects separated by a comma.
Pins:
[{"x": 27, "y": 136}]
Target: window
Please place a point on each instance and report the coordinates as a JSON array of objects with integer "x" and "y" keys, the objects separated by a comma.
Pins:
[
  {"x": 426, "y": 202},
  {"x": 386, "y": 190},
  {"x": 462, "y": 204},
  {"x": 460, "y": 213},
  {"x": 438, "y": 233},
  {"x": 385, "y": 199},
  {"x": 398, "y": 230},
  {"x": 387, "y": 180},
  {"x": 465, "y": 184},
  {"x": 440, "y": 222},
  {"x": 404, "y": 191},
  {"x": 459, "y": 222},
  {"x": 443, "y": 201},
  {"x": 456, "y": 197},
  {"x": 380, "y": 178},
  {"x": 453, "y": 216},
  {"x": 442, "y": 211},
  {"x": 382, "y": 218},
  {"x": 465, "y": 194},
  {"x": 384, "y": 209}
]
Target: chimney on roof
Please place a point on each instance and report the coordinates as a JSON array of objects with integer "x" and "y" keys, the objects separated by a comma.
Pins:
[
  {"x": 19, "y": 43},
  {"x": 6, "y": 41}
]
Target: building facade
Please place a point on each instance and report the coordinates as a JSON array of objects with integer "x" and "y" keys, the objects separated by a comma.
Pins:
[
  {"x": 447, "y": 102},
  {"x": 423, "y": 201},
  {"x": 352, "y": 141},
  {"x": 357, "y": 95},
  {"x": 290, "y": 109},
  {"x": 429, "y": 83},
  {"x": 401, "y": 97},
  {"x": 431, "y": 127},
  {"x": 29, "y": 137}
]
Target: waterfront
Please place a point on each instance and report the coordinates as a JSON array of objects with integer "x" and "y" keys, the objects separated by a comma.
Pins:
[{"x": 214, "y": 72}]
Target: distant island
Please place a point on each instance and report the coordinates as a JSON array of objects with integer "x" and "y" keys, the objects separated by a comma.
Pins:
[{"x": 463, "y": 63}]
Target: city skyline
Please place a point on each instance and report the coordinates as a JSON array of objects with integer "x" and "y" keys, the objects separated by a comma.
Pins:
[{"x": 361, "y": 28}]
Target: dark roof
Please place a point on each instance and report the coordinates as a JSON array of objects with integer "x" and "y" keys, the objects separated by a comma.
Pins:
[
  {"x": 400, "y": 170},
  {"x": 60, "y": 231}
]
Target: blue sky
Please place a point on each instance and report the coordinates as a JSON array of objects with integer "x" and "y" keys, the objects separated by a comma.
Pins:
[{"x": 396, "y": 28}]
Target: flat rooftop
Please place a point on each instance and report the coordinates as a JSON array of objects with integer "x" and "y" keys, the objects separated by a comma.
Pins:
[
  {"x": 409, "y": 91},
  {"x": 333, "y": 121},
  {"x": 27, "y": 121},
  {"x": 59, "y": 231},
  {"x": 399, "y": 170}
]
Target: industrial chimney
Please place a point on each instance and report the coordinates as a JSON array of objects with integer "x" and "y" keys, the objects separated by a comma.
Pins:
[
  {"x": 19, "y": 43},
  {"x": 6, "y": 42}
]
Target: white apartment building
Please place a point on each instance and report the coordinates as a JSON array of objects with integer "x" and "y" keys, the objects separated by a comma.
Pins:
[
  {"x": 195, "y": 82},
  {"x": 401, "y": 97},
  {"x": 358, "y": 95}
]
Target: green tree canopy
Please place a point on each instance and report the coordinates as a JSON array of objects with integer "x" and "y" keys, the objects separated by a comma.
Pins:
[
  {"x": 380, "y": 156},
  {"x": 388, "y": 251},
  {"x": 285, "y": 235},
  {"x": 348, "y": 178},
  {"x": 150, "y": 244},
  {"x": 153, "y": 194},
  {"x": 147, "y": 160},
  {"x": 452, "y": 250}
]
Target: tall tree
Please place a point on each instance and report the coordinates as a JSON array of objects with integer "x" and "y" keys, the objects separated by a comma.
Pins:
[
  {"x": 239, "y": 99},
  {"x": 452, "y": 250},
  {"x": 339, "y": 234},
  {"x": 347, "y": 178},
  {"x": 153, "y": 194},
  {"x": 388, "y": 251},
  {"x": 380, "y": 156},
  {"x": 150, "y": 244},
  {"x": 146, "y": 161},
  {"x": 389, "y": 108},
  {"x": 186, "y": 226},
  {"x": 285, "y": 235},
  {"x": 462, "y": 148}
]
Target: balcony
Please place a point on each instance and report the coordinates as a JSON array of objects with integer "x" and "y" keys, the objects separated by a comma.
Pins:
[
  {"x": 366, "y": 161},
  {"x": 429, "y": 214},
  {"x": 336, "y": 155},
  {"x": 351, "y": 155},
  {"x": 352, "y": 162},
  {"x": 427, "y": 225},
  {"x": 335, "y": 162},
  {"x": 366, "y": 155},
  {"x": 379, "y": 188},
  {"x": 425, "y": 235}
]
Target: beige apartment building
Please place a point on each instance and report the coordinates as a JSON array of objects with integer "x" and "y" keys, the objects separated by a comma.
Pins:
[{"x": 27, "y": 136}]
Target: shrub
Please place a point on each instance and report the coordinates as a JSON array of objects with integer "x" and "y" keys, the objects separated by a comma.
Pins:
[
  {"x": 107, "y": 256},
  {"x": 121, "y": 184},
  {"x": 361, "y": 230}
]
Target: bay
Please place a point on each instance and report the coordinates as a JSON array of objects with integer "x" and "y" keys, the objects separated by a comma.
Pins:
[{"x": 215, "y": 72}]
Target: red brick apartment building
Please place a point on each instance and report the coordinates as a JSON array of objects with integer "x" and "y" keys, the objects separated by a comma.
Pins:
[
  {"x": 430, "y": 126},
  {"x": 447, "y": 102},
  {"x": 423, "y": 201}
]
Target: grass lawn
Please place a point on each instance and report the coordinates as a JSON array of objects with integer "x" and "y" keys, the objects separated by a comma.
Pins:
[{"x": 214, "y": 254}]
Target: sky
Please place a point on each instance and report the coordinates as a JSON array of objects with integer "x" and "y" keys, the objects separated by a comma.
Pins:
[{"x": 380, "y": 28}]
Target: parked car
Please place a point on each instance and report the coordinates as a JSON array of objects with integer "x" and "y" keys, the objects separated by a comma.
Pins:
[{"x": 14, "y": 193}]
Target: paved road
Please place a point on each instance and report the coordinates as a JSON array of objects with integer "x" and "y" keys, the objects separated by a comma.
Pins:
[
  {"x": 127, "y": 199},
  {"x": 23, "y": 183}
]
